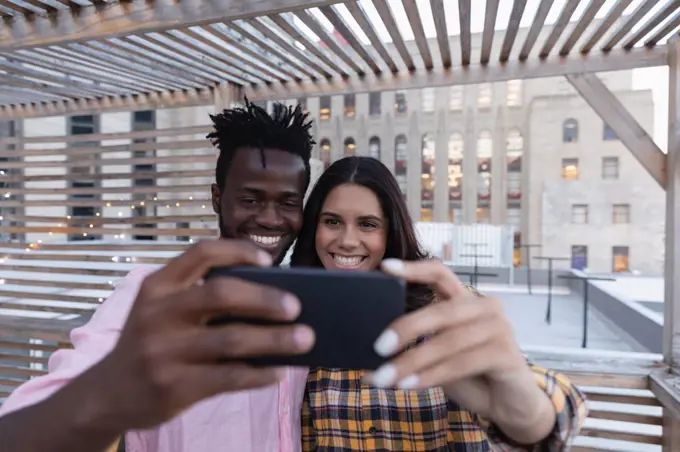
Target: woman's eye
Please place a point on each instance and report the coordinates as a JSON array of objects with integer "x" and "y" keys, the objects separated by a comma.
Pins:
[
  {"x": 331, "y": 222},
  {"x": 368, "y": 225}
]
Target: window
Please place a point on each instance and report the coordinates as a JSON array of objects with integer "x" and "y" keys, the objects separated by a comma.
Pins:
[
  {"x": 514, "y": 217},
  {"x": 146, "y": 116},
  {"x": 621, "y": 213},
  {"x": 456, "y": 98},
  {"x": 484, "y": 144},
  {"x": 325, "y": 152},
  {"x": 350, "y": 147},
  {"x": 483, "y": 215},
  {"x": 374, "y": 104},
  {"x": 608, "y": 134},
  {"x": 620, "y": 260},
  {"x": 400, "y": 105},
  {"x": 484, "y": 153},
  {"x": 183, "y": 238},
  {"x": 570, "y": 131},
  {"x": 514, "y": 184},
  {"x": 513, "y": 152},
  {"x": 350, "y": 105},
  {"x": 82, "y": 125},
  {"x": 570, "y": 169},
  {"x": 400, "y": 161},
  {"x": 427, "y": 168},
  {"x": 484, "y": 95},
  {"x": 428, "y": 96},
  {"x": 400, "y": 150},
  {"x": 579, "y": 257},
  {"x": 610, "y": 168},
  {"x": 513, "y": 95},
  {"x": 325, "y": 108},
  {"x": 260, "y": 103},
  {"x": 374, "y": 148},
  {"x": 579, "y": 214},
  {"x": 456, "y": 147}
]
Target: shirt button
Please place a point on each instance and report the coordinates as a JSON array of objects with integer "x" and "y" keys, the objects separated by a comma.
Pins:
[{"x": 372, "y": 430}]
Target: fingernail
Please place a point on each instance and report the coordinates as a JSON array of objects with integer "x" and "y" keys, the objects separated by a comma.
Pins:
[
  {"x": 264, "y": 258},
  {"x": 387, "y": 343},
  {"x": 384, "y": 376},
  {"x": 291, "y": 305},
  {"x": 303, "y": 337},
  {"x": 394, "y": 266},
  {"x": 409, "y": 382}
]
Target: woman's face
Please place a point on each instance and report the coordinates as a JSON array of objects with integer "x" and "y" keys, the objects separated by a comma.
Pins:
[{"x": 352, "y": 229}]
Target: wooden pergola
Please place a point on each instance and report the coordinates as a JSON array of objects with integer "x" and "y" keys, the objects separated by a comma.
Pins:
[{"x": 78, "y": 57}]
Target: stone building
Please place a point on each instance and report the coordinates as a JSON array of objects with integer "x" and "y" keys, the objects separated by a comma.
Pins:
[{"x": 531, "y": 154}]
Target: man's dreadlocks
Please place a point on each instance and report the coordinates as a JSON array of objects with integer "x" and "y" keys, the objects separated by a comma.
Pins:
[{"x": 286, "y": 129}]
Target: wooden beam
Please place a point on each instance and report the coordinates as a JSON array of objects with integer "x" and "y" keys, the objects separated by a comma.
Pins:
[
  {"x": 125, "y": 18},
  {"x": 664, "y": 385},
  {"x": 473, "y": 74},
  {"x": 671, "y": 327},
  {"x": 629, "y": 131},
  {"x": 111, "y": 104},
  {"x": 558, "y": 27}
]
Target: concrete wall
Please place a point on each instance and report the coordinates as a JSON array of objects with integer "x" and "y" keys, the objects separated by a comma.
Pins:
[{"x": 643, "y": 331}]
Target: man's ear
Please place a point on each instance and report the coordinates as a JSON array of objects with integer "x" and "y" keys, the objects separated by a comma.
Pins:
[{"x": 215, "y": 195}]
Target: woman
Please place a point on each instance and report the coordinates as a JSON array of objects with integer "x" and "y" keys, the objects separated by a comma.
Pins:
[{"x": 466, "y": 387}]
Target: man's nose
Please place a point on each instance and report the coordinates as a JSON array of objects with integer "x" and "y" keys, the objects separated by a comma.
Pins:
[{"x": 270, "y": 217}]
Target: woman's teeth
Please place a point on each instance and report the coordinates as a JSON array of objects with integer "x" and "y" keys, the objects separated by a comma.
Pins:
[
  {"x": 348, "y": 260},
  {"x": 266, "y": 240}
]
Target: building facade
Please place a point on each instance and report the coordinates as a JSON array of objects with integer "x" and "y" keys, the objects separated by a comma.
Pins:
[{"x": 531, "y": 154}]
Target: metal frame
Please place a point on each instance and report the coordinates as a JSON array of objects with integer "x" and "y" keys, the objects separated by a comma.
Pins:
[{"x": 107, "y": 55}]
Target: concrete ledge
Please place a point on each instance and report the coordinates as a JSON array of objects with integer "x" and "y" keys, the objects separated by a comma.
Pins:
[{"x": 631, "y": 322}]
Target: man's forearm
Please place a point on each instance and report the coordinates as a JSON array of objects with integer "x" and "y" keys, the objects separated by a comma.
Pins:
[{"x": 77, "y": 418}]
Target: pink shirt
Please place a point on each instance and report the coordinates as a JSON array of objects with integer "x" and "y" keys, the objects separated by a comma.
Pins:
[{"x": 239, "y": 421}]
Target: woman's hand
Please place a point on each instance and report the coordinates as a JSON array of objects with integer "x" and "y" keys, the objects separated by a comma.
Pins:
[{"x": 471, "y": 352}]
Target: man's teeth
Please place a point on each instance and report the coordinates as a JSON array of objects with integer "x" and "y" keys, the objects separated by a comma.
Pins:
[
  {"x": 265, "y": 240},
  {"x": 348, "y": 260}
]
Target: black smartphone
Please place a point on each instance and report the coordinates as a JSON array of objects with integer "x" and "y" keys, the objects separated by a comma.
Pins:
[{"x": 347, "y": 310}]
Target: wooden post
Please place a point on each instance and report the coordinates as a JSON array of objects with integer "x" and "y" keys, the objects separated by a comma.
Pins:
[{"x": 671, "y": 335}]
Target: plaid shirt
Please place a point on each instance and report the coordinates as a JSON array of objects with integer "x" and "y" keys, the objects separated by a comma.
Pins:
[{"x": 339, "y": 413}]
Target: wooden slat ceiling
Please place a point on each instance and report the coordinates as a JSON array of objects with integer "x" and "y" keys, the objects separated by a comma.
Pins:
[{"x": 59, "y": 56}]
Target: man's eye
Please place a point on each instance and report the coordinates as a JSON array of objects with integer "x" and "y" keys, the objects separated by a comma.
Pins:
[{"x": 249, "y": 201}]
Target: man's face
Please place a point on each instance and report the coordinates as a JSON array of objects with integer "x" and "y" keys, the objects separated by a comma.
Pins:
[{"x": 262, "y": 203}]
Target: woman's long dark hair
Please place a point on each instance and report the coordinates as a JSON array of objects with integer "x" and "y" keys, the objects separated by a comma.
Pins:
[{"x": 402, "y": 242}]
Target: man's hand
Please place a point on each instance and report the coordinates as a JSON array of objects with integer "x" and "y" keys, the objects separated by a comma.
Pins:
[
  {"x": 471, "y": 352},
  {"x": 167, "y": 358}
]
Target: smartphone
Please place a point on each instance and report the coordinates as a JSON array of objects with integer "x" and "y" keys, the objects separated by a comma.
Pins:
[{"x": 347, "y": 310}]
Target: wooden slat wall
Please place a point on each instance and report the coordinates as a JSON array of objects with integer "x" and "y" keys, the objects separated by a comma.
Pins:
[{"x": 48, "y": 284}]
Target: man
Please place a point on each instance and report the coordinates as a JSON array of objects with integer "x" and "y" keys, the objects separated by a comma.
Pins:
[{"x": 146, "y": 355}]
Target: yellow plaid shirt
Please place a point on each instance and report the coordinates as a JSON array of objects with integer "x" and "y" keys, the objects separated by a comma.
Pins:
[{"x": 339, "y": 413}]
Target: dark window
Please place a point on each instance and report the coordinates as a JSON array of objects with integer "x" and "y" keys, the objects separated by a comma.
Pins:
[
  {"x": 570, "y": 131},
  {"x": 608, "y": 134},
  {"x": 374, "y": 104},
  {"x": 579, "y": 257}
]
